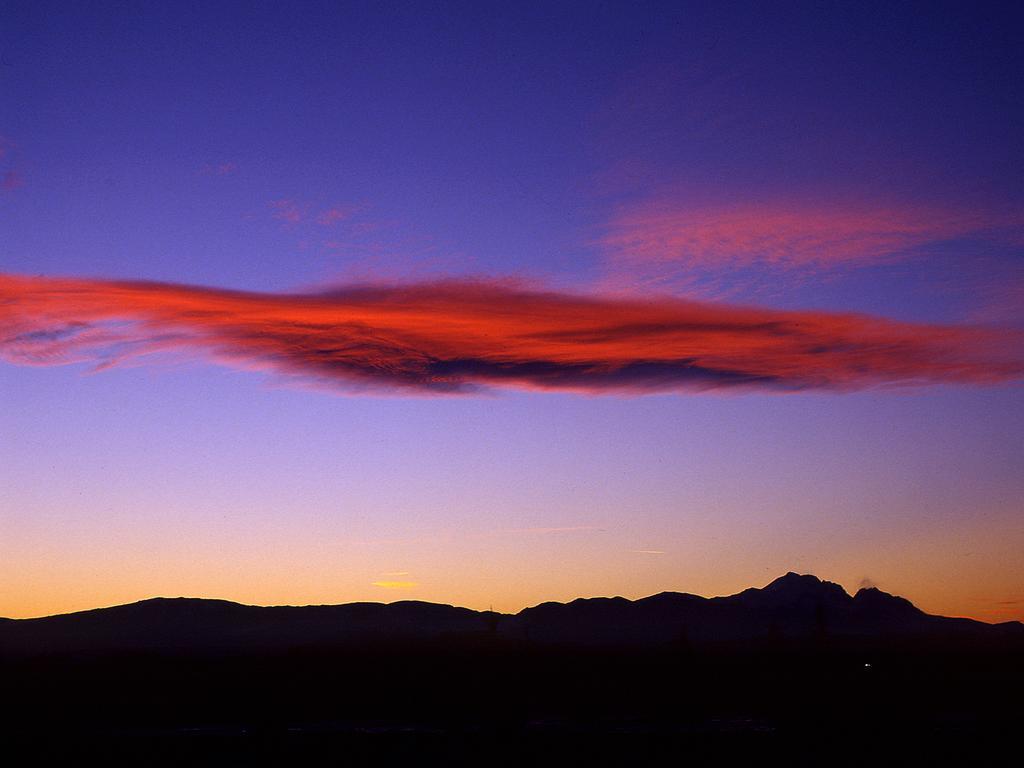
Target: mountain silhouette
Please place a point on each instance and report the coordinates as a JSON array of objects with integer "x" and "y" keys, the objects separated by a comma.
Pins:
[
  {"x": 791, "y": 663},
  {"x": 792, "y": 607}
]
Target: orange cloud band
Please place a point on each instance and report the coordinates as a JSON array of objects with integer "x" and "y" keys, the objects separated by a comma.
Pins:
[{"x": 459, "y": 336}]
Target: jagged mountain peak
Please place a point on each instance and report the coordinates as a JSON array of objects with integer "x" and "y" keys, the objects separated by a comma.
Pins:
[
  {"x": 797, "y": 587},
  {"x": 796, "y": 582},
  {"x": 873, "y": 596}
]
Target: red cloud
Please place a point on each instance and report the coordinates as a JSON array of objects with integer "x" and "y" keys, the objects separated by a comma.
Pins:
[
  {"x": 817, "y": 236},
  {"x": 458, "y": 336}
]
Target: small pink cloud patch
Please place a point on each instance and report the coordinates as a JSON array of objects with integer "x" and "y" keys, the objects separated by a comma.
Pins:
[
  {"x": 665, "y": 237},
  {"x": 10, "y": 181}
]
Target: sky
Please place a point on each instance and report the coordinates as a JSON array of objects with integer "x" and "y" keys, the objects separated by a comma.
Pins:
[{"x": 493, "y": 304}]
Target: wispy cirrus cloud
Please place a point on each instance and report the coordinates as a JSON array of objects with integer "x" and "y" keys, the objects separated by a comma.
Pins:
[
  {"x": 11, "y": 180},
  {"x": 287, "y": 210},
  {"x": 295, "y": 211},
  {"x": 665, "y": 241},
  {"x": 336, "y": 213},
  {"x": 461, "y": 336},
  {"x": 556, "y": 529},
  {"x": 359, "y": 247},
  {"x": 218, "y": 169}
]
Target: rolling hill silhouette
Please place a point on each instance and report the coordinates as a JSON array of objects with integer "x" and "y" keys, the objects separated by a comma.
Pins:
[
  {"x": 796, "y": 662},
  {"x": 792, "y": 607}
]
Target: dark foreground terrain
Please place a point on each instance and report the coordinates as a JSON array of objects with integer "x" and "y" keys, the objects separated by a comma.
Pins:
[{"x": 797, "y": 672}]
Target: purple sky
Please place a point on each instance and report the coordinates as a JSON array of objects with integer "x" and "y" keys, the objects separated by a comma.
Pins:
[{"x": 862, "y": 158}]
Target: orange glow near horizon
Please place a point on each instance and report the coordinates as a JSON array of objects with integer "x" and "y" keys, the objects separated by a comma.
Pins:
[{"x": 516, "y": 572}]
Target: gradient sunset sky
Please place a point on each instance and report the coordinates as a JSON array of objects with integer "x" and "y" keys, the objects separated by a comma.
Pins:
[{"x": 498, "y": 303}]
